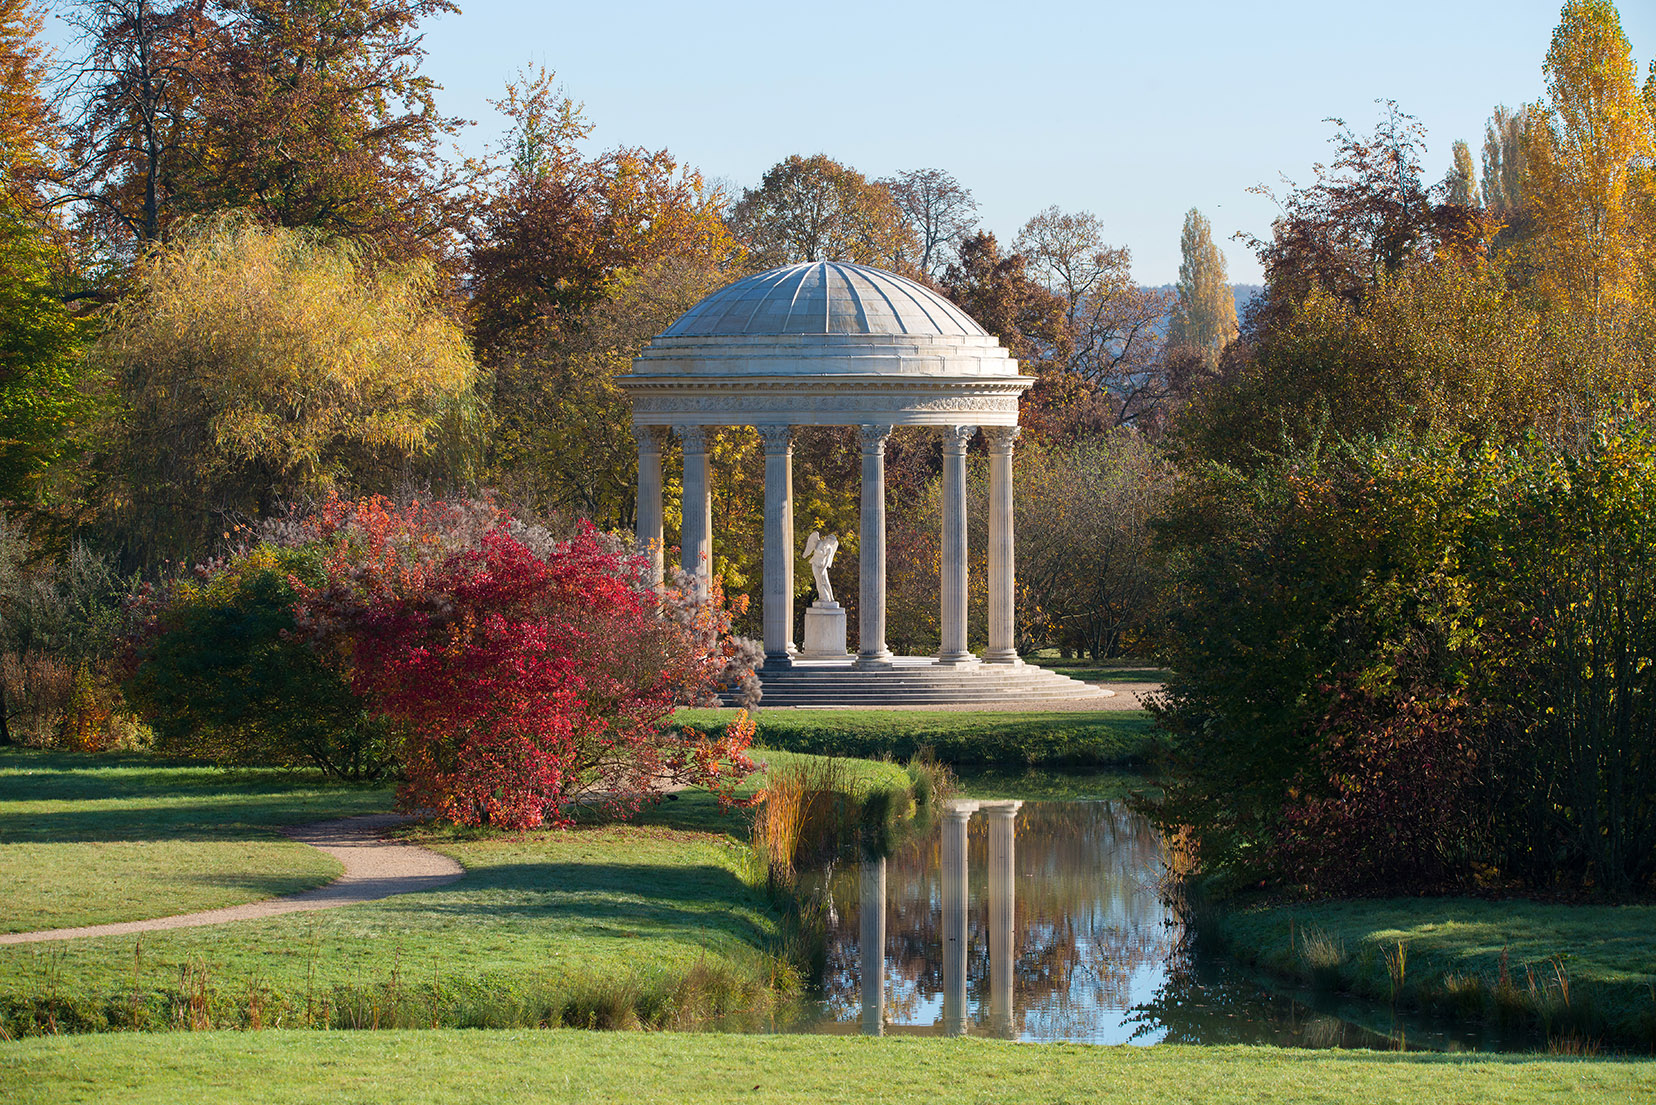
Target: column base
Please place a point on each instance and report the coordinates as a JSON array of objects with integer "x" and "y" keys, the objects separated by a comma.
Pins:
[
  {"x": 778, "y": 662},
  {"x": 957, "y": 660},
  {"x": 877, "y": 661},
  {"x": 1007, "y": 657}
]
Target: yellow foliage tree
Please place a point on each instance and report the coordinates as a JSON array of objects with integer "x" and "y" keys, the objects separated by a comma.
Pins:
[
  {"x": 257, "y": 366},
  {"x": 27, "y": 127},
  {"x": 1586, "y": 151}
]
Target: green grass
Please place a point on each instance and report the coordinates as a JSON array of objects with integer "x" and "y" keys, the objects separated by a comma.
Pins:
[
  {"x": 1093, "y": 671},
  {"x": 1037, "y": 785},
  {"x": 662, "y": 922},
  {"x": 1052, "y": 739},
  {"x": 1586, "y": 972},
  {"x": 484, "y": 1068},
  {"x": 88, "y": 840}
]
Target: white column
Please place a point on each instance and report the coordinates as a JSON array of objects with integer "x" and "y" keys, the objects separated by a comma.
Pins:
[
  {"x": 1002, "y": 897},
  {"x": 1003, "y": 647},
  {"x": 953, "y": 577},
  {"x": 955, "y": 816},
  {"x": 696, "y": 538},
  {"x": 649, "y": 530},
  {"x": 871, "y": 945},
  {"x": 871, "y": 610},
  {"x": 778, "y": 570},
  {"x": 792, "y": 550}
]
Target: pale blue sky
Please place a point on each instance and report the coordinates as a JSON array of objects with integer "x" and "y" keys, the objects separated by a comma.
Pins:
[{"x": 1136, "y": 112}]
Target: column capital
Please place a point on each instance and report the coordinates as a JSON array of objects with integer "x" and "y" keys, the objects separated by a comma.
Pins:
[
  {"x": 649, "y": 438},
  {"x": 1000, "y": 809},
  {"x": 694, "y": 438},
  {"x": 1001, "y": 437},
  {"x": 955, "y": 438},
  {"x": 874, "y": 437},
  {"x": 777, "y": 439}
]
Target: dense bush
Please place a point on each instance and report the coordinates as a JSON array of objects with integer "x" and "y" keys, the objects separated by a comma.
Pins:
[
  {"x": 222, "y": 676},
  {"x": 1415, "y": 666}
]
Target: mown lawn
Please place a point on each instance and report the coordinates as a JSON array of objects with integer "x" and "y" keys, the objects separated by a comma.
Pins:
[
  {"x": 88, "y": 840},
  {"x": 461, "y": 1068},
  {"x": 605, "y": 923},
  {"x": 1583, "y": 971},
  {"x": 1078, "y": 740}
]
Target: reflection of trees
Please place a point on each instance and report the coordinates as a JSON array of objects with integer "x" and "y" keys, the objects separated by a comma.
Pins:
[
  {"x": 1090, "y": 927},
  {"x": 1088, "y": 920}
]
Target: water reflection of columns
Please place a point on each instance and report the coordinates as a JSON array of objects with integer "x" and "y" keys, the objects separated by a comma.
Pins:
[
  {"x": 1002, "y": 895},
  {"x": 872, "y": 899},
  {"x": 955, "y": 816}
]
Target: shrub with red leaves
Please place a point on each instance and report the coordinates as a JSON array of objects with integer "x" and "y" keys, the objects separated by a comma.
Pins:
[{"x": 527, "y": 674}]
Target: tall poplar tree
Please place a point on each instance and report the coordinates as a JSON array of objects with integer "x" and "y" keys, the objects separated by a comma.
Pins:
[
  {"x": 1504, "y": 168},
  {"x": 1585, "y": 148},
  {"x": 1461, "y": 184},
  {"x": 1204, "y": 314}
]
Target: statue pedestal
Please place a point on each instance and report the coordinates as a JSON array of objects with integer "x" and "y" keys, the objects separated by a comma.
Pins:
[{"x": 824, "y": 632}]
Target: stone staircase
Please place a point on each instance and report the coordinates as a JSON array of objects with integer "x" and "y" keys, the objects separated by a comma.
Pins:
[{"x": 917, "y": 681}]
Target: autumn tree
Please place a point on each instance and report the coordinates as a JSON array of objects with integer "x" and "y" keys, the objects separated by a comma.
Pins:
[
  {"x": 1584, "y": 147},
  {"x": 1460, "y": 184},
  {"x": 578, "y": 261},
  {"x": 27, "y": 124},
  {"x": 816, "y": 209},
  {"x": 305, "y": 115},
  {"x": 998, "y": 291},
  {"x": 318, "y": 116},
  {"x": 44, "y": 396},
  {"x": 939, "y": 213},
  {"x": 256, "y": 367},
  {"x": 1505, "y": 169},
  {"x": 132, "y": 134},
  {"x": 1112, "y": 322},
  {"x": 1204, "y": 312}
]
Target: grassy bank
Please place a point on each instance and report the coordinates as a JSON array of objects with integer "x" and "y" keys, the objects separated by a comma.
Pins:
[
  {"x": 1051, "y": 739},
  {"x": 88, "y": 840},
  {"x": 1583, "y": 974},
  {"x": 456, "y": 1068},
  {"x": 660, "y": 922}
]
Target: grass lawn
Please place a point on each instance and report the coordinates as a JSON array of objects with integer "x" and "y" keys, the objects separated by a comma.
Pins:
[
  {"x": 460, "y": 1068},
  {"x": 607, "y": 923},
  {"x": 1052, "y": 739},
  {"x": 1582, "y": 970},
  {"x": 1095, "y": 671},
  {"x": 88, "y": 840}
]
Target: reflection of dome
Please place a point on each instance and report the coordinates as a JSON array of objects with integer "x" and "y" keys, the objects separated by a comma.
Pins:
[
  {"x": 824, "y": 297},
  {"x": 828, "y": 320}
]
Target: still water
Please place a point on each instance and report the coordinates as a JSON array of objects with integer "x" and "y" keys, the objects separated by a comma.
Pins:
[{"x": 1047, "y": 922}]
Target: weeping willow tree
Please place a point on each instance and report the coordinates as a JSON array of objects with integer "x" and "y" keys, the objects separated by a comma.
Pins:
[{"x": 257, "y": 366}]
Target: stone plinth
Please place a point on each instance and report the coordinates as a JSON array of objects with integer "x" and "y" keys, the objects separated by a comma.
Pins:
[{"x": 824, "y": 631}]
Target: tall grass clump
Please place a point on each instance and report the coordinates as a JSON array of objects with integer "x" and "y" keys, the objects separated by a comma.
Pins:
[{"x": 801, "y": 816}]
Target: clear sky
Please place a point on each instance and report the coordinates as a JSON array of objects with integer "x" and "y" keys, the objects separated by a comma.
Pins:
[{"x": 1136, "y": 112}]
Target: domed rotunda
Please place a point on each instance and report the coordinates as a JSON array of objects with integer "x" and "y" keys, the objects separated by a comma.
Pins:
[{"x": 837, "y": 344}]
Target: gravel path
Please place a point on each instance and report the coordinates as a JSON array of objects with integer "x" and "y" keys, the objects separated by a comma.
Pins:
[{"x": 374, "y": 868}]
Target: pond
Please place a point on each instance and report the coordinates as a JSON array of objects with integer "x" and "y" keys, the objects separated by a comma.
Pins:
[{"x": 1046, "y": 921}]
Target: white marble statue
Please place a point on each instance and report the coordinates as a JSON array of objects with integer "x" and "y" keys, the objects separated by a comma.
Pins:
[{"x": 820, "y": 550}]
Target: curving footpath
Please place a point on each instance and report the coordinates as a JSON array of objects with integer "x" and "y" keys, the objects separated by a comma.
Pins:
[{"x": 375, "y": 868}]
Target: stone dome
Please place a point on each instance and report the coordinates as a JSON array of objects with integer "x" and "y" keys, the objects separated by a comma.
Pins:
[
  {"x": 824, "y": 343},
  {"x": 824, "y": 297}
]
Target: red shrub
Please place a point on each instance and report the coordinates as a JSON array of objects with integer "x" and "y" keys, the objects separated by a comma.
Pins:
[{"x": 525, "y": 680}]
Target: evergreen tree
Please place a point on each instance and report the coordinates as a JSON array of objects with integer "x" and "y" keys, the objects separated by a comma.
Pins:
[{"x": 1204, "y": 315}]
